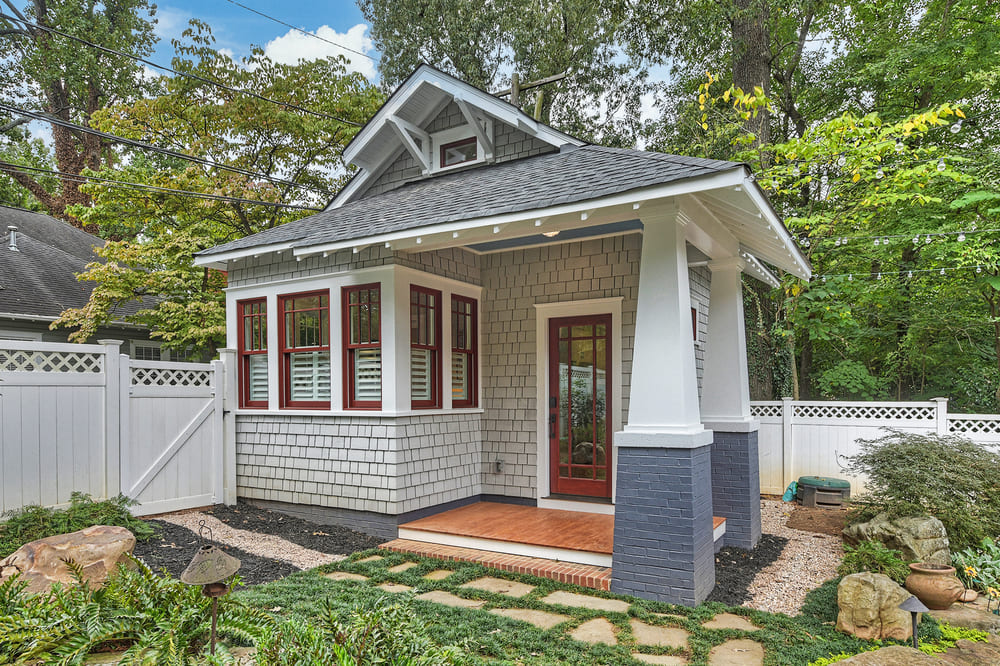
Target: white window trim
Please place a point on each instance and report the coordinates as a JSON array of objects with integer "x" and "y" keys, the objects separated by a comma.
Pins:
[
  {"x": 452, "y": 135},
  {"x": 544, "y": 312},
  {"x": 20, "y": 336}
]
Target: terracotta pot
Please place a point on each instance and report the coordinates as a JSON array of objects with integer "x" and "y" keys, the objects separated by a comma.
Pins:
[{"x": 934, "y": 584}]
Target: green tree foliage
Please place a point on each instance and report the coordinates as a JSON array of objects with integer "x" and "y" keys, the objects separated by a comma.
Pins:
[
  {"x": 157, "y": 233},
  {"x": 483, "y": 43},
  {"x": 53, "y": 75}
]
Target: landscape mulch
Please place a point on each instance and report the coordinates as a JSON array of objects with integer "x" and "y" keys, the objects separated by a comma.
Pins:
[
  {"x": 330, "y": 539},
  {"x": 174, "y": 546},
  {"x": 735, "y": 569},
  {"x": 821, "y": 520}
]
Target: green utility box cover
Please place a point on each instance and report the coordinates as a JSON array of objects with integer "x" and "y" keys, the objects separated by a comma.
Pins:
[{"x": 824, "y": 482}]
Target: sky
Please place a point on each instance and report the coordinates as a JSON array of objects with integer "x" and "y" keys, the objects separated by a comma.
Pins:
[{"x": 236, "y": 29}]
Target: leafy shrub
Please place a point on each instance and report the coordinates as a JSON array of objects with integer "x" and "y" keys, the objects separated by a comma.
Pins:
[
  {"x": 979, "y": 568},
  {"x": 874, "y": 557},
  {"x": 850, "y": 380},
  {"x": 951, "y": 478},
  {"x": 36, "y": 522}
]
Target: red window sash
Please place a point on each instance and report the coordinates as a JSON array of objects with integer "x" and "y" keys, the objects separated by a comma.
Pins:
[
  {"x": 349, "y": 347},
  {"x": 435, "y": 349},
  {"x": 286, "y": 351},
  {"x": 472, "y": 353},
  {"x": 243, "y": 319},
  {"x": 464, "y": 142}
]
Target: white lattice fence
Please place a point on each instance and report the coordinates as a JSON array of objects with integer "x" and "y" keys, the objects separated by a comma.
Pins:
[{"x": 813, "y": 438}]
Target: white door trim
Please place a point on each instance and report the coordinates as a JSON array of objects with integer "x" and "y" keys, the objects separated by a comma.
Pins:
[{"x": 543, "y": 313}]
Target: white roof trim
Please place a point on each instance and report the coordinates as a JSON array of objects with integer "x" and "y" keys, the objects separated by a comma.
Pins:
[
  {"x": 219, "y": 261},
  {"x": 754, "y": 267},
  {"x": 802, "y": 268}
]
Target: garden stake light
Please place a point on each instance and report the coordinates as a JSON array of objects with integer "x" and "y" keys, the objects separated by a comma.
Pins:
[
  {"x": 915, "y": 606},
  {"x": 209, "y": 568}
]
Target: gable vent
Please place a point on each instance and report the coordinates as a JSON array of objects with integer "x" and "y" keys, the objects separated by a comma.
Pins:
[{"x": 12, "y": 232}]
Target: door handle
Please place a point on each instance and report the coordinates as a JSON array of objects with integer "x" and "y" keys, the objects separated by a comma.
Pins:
[{"x": 552, "y": 426}]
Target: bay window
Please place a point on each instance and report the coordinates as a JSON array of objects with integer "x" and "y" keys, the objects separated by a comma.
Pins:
[
  {"x": 252, "y": 335},
  {"x": 305, "y": 350},
  {"x": 362, "y": 310},
  {"x": 425, "y": 348},
  {"x": 464, "y": 364}
]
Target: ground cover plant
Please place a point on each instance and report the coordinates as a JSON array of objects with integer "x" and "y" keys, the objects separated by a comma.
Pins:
[
  {"x": 35, "y": 522},
  {"x": 950, "y": 478},
  {"x": 874, "y": 557}
]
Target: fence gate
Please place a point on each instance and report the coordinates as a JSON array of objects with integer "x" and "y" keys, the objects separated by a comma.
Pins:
[{"x": 172, "y": 443}]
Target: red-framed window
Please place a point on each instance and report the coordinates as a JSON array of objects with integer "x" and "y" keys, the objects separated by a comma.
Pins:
[
  {"x": 459, "y": 152},
  {"x": 252, "y": 333},
  {"x": 425, "y": 348},
  {"x": 464, "y": 352},
  {"x": 305, "y": 350},
  {"x": 362, "y": 307},
  {"x": 694, "y": 323}
]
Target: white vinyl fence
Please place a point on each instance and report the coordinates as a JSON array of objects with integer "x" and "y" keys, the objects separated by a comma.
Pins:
[
  {"x": 87, "y": 418},
  {"x": 811, "y": 438}
]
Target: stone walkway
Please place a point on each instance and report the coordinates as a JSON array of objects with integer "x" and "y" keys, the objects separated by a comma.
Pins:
[{"x": 664, "y": 635}]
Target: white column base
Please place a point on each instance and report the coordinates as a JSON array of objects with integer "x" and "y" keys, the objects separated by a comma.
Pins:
[{"x": 731, "y": 424}]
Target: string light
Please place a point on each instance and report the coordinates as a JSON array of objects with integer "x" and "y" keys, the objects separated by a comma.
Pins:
[
  {"x": 961, "y": 238},
  {"x": 880, "y": 174},
  {"x": 910, "y": 272},
  {"x": 841, "y": 161},
  {"x": 956, "y": 127},
  {"x": 941, "y": 165}
]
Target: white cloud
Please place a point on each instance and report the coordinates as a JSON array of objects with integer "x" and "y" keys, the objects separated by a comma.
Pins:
[{"x": 294, "y": 46}]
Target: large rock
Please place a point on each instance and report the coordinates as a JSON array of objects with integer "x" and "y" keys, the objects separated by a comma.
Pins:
[
  {"x": 869, "y": 607},
  {"x": 918, "y": 539},
  {"x": 97, "y": 550}
]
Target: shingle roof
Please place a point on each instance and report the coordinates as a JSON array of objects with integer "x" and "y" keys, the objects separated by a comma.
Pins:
[
  {"x": 571, "y": 175},
  {"x": 39, "y": 279}
]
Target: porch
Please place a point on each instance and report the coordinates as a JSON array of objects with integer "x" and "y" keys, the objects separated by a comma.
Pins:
[{"x": 568, "y": 546}]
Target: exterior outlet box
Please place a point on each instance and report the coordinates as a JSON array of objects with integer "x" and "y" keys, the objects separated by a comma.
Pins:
[{"x": 498, "y": 467}]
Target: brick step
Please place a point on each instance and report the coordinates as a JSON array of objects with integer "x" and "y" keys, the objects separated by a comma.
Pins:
[{"x": 585, "y": 575}]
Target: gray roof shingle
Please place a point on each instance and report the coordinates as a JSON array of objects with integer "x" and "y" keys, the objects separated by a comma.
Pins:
[{"x": 569, "y": 176}]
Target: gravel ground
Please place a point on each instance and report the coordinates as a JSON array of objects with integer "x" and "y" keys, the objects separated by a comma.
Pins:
[
  {"x": 807, "y": 560},
  {"x": 736, "y": 569},
  {"x": 174, "y": 547}
]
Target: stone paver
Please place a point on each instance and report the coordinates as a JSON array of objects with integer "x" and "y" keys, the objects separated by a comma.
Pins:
[
  {"x": 742, "y": 652},
  {"x": 395, "y": 588},
  {"x": 400, "y": 568},
  {"x": 730, "y": 621},
  {"x": 439, "y": 574},
  {"x": 540, "y": 619},
  {"x": 344, "y": 575},
  {"x": 449, "y": 599},
  {"x": 597, "y": 630},
  {"x": 371, "y": 558},
  {"x": 585, "y": 601},
  {"x": 648, "y": 634},
  {"x": 664, "y": 659},
  {"x": 509, "y": 588}
]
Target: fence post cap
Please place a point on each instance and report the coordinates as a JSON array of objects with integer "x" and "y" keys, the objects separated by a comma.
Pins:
[{"x": 111, "y": 343}]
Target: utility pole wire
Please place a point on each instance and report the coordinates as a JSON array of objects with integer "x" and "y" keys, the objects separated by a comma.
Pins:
[
  {"x": 44, "y": 117},
  {"x": 304, "y": 32},
  {"x": 196, "y": 77},
  {"x": 79, "y": 178}
]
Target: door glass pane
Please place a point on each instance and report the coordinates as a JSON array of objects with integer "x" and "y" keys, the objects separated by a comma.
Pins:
[
  {"x": 564, "y": 403},
  {"x": 600, "y": 401},
  {"x": 582, "y": 400}
]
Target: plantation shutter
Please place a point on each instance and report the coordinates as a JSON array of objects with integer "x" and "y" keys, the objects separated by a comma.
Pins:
[
  {"x": 420, "y": 374},
  {"x": 310, "y": 375},
  {"x": 367, "y": 374},
  {"x": 258, "y": 377},
  {"x": 459, "y": 376}
]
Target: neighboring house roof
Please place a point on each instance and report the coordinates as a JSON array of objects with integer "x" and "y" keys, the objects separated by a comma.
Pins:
[
  {"x": 574, "y": 174},
  {"x": 38, "y": 281}
]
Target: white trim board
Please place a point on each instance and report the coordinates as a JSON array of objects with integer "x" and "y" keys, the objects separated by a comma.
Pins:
[{"x": 508, "y": 547}]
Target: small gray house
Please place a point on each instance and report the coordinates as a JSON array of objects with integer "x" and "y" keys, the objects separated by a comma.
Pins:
[{"x": 500, "y": 339}]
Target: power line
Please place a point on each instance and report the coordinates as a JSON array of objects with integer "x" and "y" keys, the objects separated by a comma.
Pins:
[
  {"x": 196, "y": 77},
  {"x": 149, "y": 146},
  {"x": 304, "y": 32},
  {"x": 79, "y": 178}
]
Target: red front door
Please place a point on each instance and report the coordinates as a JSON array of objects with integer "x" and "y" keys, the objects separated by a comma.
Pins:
[{"x": 579, "y": 405}]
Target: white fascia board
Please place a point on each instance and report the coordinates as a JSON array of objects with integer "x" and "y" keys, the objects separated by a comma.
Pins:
[
  {"x": 729, "y": 178},
  {"x": 795, "y": 262},
  {"x": 220, "y": 260},
  {"x": 754, "y": 267}
]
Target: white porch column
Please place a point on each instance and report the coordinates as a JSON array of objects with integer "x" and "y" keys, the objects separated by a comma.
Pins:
[
  {"x": 663, "y": 397},
  {"x": 725, "y": 388}
]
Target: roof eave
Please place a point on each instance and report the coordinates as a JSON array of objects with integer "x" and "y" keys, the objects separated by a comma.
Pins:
[{"x": 219, "y": 260}]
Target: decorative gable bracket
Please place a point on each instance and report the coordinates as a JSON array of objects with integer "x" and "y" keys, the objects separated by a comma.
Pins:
[
  {"x": 477, "y": 121},
  {"x": 408, "y": 133}
]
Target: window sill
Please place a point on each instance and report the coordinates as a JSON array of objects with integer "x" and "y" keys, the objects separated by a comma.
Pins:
[{"x": 359, "y": 413}]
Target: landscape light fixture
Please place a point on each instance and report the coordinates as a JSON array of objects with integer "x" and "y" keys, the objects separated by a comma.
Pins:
[
  {"x": 915, "y": 606},
  {"x": 209, "y": 568}
]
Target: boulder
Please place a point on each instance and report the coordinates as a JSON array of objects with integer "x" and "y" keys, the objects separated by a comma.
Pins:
[
  {"x": 869, "y": 607},
  {"x": 97, "y": 550},
  {"x": 920, "y": 539}
]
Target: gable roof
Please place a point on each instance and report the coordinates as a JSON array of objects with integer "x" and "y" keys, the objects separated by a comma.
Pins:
[
  {"x": 572, "y": 175},
  {"x": 39, "y": 279}
]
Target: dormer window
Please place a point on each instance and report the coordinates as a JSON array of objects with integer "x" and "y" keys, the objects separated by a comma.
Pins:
[
  {"x": 459, "y": 152},
  {"x": 459, "y": 146}
]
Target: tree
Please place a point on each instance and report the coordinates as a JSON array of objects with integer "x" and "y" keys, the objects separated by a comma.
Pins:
[
  {"x": 152, "y": 263},
  {"x": 56, "y": 76},
  {"x": 483, "y": 43}
]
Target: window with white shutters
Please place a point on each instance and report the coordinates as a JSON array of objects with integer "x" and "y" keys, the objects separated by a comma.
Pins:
[
  {"x": 305, "y": 350},
  {"x": 252, "y": 334},
  {"x": 362, "y": 346},
  {"x": 464, "y": 392},
  {"x": 425, "y": 348}
]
